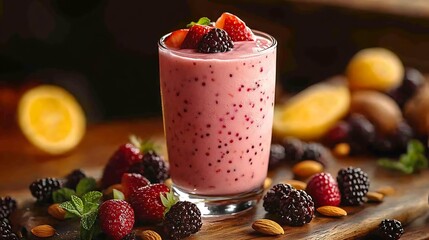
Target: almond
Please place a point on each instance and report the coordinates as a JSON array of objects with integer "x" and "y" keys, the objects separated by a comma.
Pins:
[
  {"x": 374, "y": 197},
  {"x": 56, "y": 211},
  {"x": 332, "y": 211},
  {"x": 150, "y": 235},
  {"x": 267, "y": 183},
  {"x": 267, "y": 227},
  {"x": 386, "y": 190},
  {"x": 43, "y": 231},
  {"x": 307, "y": 168},
  {"x": 341, "y": 149},
  {"x": 299, "y": 185}
]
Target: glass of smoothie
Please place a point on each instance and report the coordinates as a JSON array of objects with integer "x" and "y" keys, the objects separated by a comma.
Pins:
[{"x": 218, "y": 114}]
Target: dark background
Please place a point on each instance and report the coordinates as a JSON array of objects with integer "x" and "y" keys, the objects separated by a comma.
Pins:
[{"x": 105, "y": 51}]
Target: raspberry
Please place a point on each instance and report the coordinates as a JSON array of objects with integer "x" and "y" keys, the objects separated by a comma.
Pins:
[
  {"x": 292, "y": 207},
  {"x": 274, "y": 196},
  {"x": 323, "y": 188},
  {"x": 353, "y": 184},
  {"x": 73, "y": 178},
  {"x": 296, "y": 209},
  {"x": 182, "y": 220},
  {"x": 153, "y": 167},
  {"x": 116, "y": 218},
  {"x": 42, "y": 189},
  {"x": 215, "y": 41},
  {"x": 6, "y": 231},
  {"x": 8, "y": 205},
  {"x": 294, "y": 148},
  {"x": 390, "y": 229}
]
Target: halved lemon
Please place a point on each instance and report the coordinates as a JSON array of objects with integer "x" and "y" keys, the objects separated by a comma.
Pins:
[
  {"x": 51, "y": 119},
  {"x": 312, "y": 112}
]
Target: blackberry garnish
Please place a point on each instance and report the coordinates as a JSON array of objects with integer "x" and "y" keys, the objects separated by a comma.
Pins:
[
  {"x": 8, "y": 205},
  {"x": 73, "y": 178},
  {"x": 315, "y": 151},
  {"x": 296, "y": 209},
  {"x": 215, "y": 41},
  {"x": 6, "y": 231},
  {"x": 277, "y": 155},
  {"x": 42, "y": 189},
  {"x": 182, "y": 220},
  {"x": 294, "y": 148},
  {"x": 390, "y": 229},
  {"x": 353, "y": 184},
  {"x": 274, "y": 196},
  {"x": 153, "y": 167}
]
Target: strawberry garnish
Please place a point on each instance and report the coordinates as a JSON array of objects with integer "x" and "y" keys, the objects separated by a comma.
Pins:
[
  {"x": 175, "y": 39},
  {"x": 235, "y": 27},
  {"x": 196, "y": 32},
  {"x": 116, "y": 218}
]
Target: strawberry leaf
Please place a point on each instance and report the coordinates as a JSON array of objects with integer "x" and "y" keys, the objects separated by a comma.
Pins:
[
  {"x": 168, "y": 200},
  {"x": 118, "y": 195}
]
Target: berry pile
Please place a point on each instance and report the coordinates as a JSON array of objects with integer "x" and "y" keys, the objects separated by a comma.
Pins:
[
  {"x": 292, "y": 150},
  {"x": 208, "y": 37}
]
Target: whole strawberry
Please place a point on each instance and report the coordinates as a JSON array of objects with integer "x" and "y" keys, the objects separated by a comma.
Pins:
[
  {"x": 194, "y": 36},
  {"x": 119, "y": 163},
  {"x": 116, "y": 218},
  {"x": 324, "y": 190},
  {"x": 131, "y": 182},
  {"x": 151, "y": 202}
]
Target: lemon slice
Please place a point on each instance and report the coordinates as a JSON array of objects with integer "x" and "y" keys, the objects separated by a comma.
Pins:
[
  {"x": 312, "y": 112},
  {"x": 51, "y": 119}
]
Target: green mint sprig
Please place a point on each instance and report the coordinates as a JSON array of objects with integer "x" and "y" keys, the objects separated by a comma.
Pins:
[
  {"x": 84, "y": 186},
  {"x": 201, "y": 21},
  {"x": 86, "y": 209},
  {"x": 411, "y": 161}
]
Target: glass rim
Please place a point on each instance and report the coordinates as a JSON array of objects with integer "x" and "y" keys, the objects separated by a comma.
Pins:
[{"x": 273, "y": 45}]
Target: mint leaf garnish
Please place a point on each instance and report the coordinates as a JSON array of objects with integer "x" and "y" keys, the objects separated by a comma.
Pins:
[
  {"x": 85, "y": 185},
  {"x": 201, "y": 21},
  {"x": 411, "y": 161},
  {"x": 62, "y": 195},
  {"x": 86, "y": 208}
]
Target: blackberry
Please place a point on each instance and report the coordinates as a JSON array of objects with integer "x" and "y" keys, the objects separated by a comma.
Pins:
[
  {"x": 6, "y": 231},
  {"x": 73, "y": 178},
  {"x": 8, "y": 205},
  {"x": 315, "y": 151},
  {"x": 277, "y": 155},
  {"x": 130, "y": 236},
  {"x": 390, "y": 229},
  {"x": 153, "y": 167},
  {"x": 353, "y": 184},
  {"x": 274, "y": 196},
  {"x": 362, "y": 133},
  {"x": 182, "y": 220},
  {"x": 3, "y": 216},
  {"x": 215, "y": 41},
  {"x": 296, "y": 209},
  {"x": 294, "y": 148},
  {"x": 42, "y": 189}
]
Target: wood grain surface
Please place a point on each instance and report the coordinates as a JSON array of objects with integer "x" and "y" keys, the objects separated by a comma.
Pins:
[{"x": 20, "y": 164}]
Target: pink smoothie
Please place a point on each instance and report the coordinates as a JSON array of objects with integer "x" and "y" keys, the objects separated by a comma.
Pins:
[{"x": 218, "y": 113}]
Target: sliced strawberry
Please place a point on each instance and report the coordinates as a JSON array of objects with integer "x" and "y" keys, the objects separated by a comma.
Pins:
[
  {"x": 235, "y": 27},
  {"x": 196, "y": 33},
  {"x": 131, "y": 182},
  {"x": 175, "y": 39}
]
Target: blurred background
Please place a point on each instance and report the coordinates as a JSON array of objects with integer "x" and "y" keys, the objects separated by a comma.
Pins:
[{"x": 105, "y": 51}]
